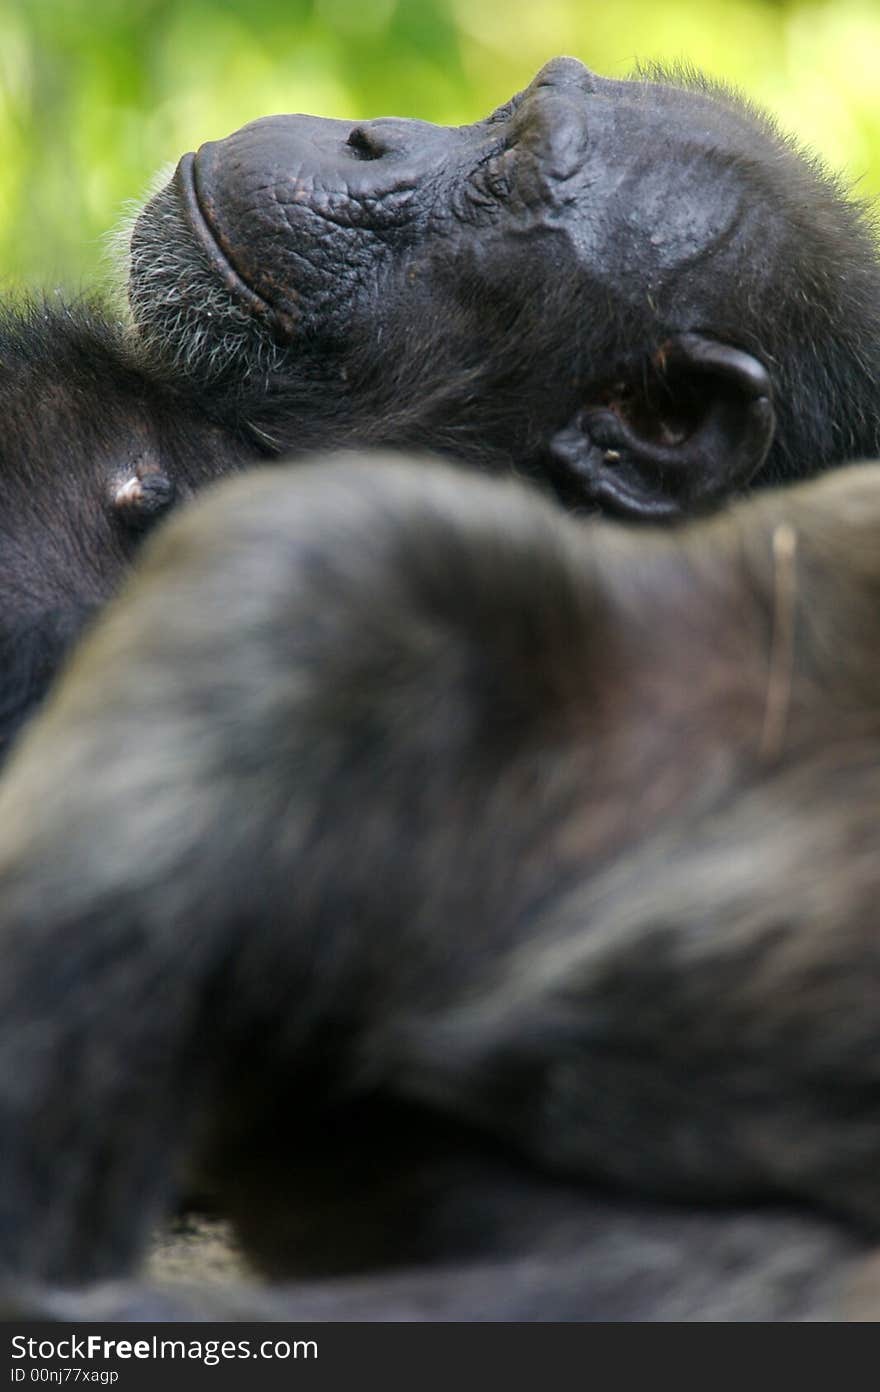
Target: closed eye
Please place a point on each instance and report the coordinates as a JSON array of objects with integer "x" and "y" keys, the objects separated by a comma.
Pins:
[{"x": 503, "y": 113}]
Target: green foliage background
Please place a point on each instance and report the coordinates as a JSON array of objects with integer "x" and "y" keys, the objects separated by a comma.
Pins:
[{"x": 95, "y": 95}]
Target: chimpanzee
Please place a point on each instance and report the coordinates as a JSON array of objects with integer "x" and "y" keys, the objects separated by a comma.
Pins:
[
  {"x": 637, "y": 293},
  {"x": 399, "y": 854}
]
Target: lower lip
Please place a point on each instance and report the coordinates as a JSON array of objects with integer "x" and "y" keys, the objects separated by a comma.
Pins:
[{"x": 186, "y": 182}]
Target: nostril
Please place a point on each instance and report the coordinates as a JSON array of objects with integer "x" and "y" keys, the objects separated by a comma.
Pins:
[{"x": 366, "y": 143}]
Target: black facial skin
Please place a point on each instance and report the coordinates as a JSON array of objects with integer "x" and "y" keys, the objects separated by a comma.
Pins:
[
  {"x": 636, "y": 294},
  {"x": 607, "y": 285},
  {"x": 442, "y": 861}
]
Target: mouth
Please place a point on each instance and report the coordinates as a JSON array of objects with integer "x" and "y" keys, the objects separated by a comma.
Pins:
[
  {"x": 190, "y": 309},
  {"x": 197, "y": 209}
]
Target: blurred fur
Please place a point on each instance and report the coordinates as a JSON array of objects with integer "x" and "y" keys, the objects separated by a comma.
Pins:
[{"x": 409, "y": 861}]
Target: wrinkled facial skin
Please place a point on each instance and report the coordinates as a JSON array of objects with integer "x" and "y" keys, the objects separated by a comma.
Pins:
[
  {"x": 301, "y": 216},
  {"x": 486, "y": 288}
]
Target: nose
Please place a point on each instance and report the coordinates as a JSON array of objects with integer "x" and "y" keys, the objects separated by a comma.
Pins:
[{"x": 390, "y": 136}]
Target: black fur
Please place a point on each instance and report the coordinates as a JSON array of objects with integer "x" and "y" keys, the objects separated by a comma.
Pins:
[{"x": 395, "y": 841}]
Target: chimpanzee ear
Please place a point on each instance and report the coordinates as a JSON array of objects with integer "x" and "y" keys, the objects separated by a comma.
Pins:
[{"x": 688, "y": 427}]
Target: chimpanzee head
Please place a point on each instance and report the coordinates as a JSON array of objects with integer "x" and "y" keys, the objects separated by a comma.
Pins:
[{"x": 639, "y": 289}]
